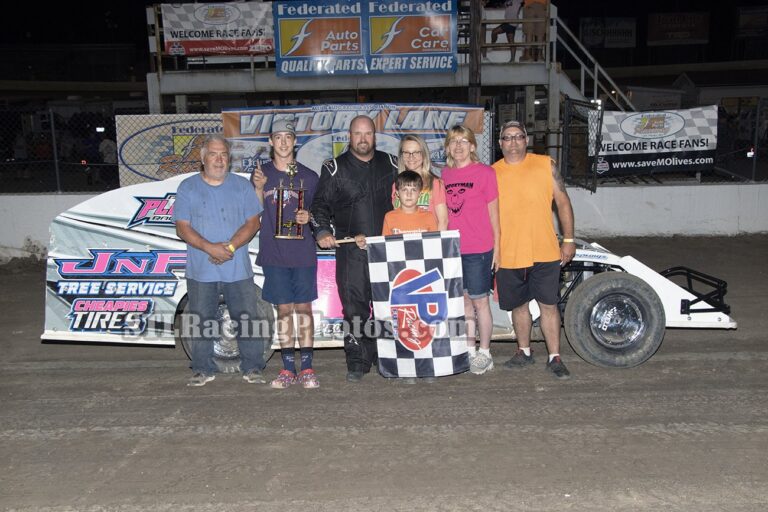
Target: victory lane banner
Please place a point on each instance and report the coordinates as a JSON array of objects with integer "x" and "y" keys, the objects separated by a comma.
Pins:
[
  {"x": 322, "y": 131},
  {"x": 417, "y": 291},
  {"x": 651, "y": 142},
  {"x": 234, "y": 28},
  {"x": 359, "y": 37}
]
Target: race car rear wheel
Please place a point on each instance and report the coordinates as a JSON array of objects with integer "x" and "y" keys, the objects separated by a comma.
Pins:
[
  {"x": 226, "y": 353},
  {"x": 614, "y": 319}
]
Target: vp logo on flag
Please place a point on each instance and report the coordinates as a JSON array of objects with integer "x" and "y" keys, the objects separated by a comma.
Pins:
[{"x": 417, "y": 302}]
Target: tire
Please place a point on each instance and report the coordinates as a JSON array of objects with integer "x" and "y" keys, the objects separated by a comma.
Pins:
[
  {"x": 226, "y": 355},
  {"x": 615, "y": 319}
]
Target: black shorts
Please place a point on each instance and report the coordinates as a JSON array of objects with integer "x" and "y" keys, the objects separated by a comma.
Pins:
[
  {"x": 508, "y": 28},
  {"x": 517, "y": 286}
]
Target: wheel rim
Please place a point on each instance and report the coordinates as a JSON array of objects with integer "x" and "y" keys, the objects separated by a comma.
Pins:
[
  {"x": 225, "y": 347},
  {"x": 617, "y": 321}
]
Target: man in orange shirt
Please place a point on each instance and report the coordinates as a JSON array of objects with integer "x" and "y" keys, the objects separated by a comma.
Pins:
[{"x": 530, "y": 259}]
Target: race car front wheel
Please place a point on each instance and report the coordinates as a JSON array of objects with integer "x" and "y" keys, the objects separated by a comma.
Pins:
[
  {"x": 614, "y": 319},
  {"x": 225, "y": 351}
]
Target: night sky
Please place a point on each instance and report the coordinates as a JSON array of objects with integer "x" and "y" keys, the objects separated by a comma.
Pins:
[{"x": 125, "y": 21}]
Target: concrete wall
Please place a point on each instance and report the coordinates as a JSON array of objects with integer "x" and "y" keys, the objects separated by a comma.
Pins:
[
  {"x": 26, "y": 217},
  {"x": 611, "y": 211},
  {"x": 728, "y": 209}
]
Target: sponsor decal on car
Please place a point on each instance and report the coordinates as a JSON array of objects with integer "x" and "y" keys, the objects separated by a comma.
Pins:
[{"x": 111, "y": 291}]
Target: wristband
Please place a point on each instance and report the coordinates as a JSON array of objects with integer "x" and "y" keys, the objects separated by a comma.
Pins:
[
  {"x": 231, "y": 248},
  {"x": 567, "y": 240}
]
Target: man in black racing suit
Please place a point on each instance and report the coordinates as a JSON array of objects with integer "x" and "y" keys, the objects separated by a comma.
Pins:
[{"x": 353, "y": 195}]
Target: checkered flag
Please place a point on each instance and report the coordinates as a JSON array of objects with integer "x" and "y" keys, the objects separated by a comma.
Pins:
[{"x": 418, "y": 294}]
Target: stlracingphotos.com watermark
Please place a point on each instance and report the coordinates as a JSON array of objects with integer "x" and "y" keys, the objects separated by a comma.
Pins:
[{"x": 193, "y": 326}]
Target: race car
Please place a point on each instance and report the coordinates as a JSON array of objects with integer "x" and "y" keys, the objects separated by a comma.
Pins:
[{"x": 115, "y": 274}]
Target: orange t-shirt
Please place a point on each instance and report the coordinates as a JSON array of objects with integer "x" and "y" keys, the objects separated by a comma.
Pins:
[
  {"x": 398, "y": 222},
  {"x": 525, "y": 212}
]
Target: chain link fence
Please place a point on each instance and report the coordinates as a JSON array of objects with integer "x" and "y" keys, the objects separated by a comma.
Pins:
[
  {"x": 582, "y": 122},
  {"x": 742, "y": 142},
  {"x": 43, "y": 151},
  {"x": 160, "y": 146}
]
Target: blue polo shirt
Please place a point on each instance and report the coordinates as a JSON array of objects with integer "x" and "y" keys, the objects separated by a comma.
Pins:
[{"x": 216, "y": 213}]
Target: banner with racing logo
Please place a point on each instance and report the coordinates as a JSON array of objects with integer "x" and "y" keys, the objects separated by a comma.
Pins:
[
  {"x": 159, "y": 146},
  {"x": 234, "y": 28},
  {"x": 365, "y": 37},
  {"x": 418, "y": 295},
  {"x": 322, "y": 131},
  {"x": 651, "y": 142}
]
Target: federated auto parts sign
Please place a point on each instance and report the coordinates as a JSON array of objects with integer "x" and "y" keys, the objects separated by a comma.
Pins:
[{"x": 359, "y": 37}]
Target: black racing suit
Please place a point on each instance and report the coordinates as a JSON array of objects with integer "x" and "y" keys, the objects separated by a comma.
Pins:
[{"x": 352, "y": 197}]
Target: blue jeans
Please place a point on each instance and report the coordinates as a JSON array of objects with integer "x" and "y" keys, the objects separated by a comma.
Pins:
[{"x": 240, "y": 298}]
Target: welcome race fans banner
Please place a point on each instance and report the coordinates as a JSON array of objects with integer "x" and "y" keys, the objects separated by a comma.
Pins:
[
  {"x": 322, "y": 131},
  {"x": 359, "y": 37},
  {"x": 235, "y": 28},
  {"x": 650, "y": 142}
]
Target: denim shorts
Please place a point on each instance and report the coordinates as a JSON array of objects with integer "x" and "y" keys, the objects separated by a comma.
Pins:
[
  {"x": 477, "y": 274},
  {"x": 289, "y": 285}
]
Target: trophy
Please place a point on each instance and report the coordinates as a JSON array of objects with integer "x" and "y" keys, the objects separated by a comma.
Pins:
[{"x": 289, "y": 229}]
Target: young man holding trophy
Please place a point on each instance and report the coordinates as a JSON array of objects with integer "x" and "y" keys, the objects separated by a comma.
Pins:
[{"x": 287, "y": 251}]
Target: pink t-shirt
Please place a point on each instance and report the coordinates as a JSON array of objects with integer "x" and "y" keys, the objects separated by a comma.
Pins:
[{"x": 468, "y": 191}]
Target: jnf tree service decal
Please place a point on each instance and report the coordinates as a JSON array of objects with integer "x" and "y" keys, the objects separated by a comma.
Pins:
[
  {"x": 668, "y": 141},
  {"x": 112, "y": 290}
]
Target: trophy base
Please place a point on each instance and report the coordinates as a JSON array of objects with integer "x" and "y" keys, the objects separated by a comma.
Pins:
[{"x": 290, "y": 237}]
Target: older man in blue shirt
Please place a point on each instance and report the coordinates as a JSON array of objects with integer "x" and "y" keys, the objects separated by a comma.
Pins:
[{"x": 217, "y": 214}]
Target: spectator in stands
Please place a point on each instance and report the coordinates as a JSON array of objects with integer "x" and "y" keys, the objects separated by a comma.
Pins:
[
  {"x": 511, "y": 12},
  {"x": 108, "y": 153},
  {"x": 535, "y": 32}
]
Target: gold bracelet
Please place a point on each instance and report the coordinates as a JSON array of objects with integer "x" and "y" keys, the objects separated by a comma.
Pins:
[
  {"x": 231, "y": 248},
  {"x": 567, "y": 240}
]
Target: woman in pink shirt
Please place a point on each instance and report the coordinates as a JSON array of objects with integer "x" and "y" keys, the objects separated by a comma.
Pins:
[
  {"x": 414, "y": 156},
  {"x": 472, "y": 199}
]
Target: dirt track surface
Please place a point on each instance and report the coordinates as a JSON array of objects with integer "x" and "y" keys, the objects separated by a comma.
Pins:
[{"x": 91, "y": 428}]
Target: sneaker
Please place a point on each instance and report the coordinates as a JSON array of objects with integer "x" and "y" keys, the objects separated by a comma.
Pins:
[
  {"x": 308, "y": 379},
  {"x": 480, "y": 364},
  {"x": 284, "y": 379},
  {"x": 557, "y": 367},
  {"x": 407, "y": 380},
  {"x": 200, "y": 379},
  {"x": 354, "y": 377},
  {"x": 519, "y": 360},
  {"x": 471, "y": 354},
  {"x": 254, "y": 377},
  {"x": 429, "y": 380}
]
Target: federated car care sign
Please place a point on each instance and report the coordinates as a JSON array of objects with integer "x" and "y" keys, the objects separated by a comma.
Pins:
[
  {"x": 665, "y": 141},
  {"x": 359, "y": 37},
  {"x": 322, "y": 131}
]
